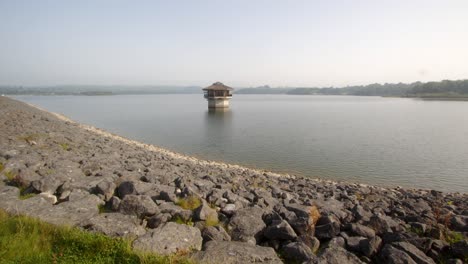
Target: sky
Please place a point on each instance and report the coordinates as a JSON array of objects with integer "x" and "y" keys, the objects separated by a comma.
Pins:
[{"x": 240, "y": 43}]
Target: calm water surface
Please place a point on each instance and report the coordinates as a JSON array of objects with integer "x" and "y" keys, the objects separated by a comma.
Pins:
[{"x": 386, "y": 141}]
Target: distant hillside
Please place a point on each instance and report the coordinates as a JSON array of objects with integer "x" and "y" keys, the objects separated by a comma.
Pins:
[
  {"x": 98, "y": 90},
  {"x": 263, "y": 90},
  {"x": 387, "y": 89},
  {"x": 443, "y": 89},
  {"x": 449, "y": 89}
]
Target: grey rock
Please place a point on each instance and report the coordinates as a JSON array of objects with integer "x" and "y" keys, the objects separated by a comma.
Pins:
[
  {"x": 246, "y": 225},
  {"x": 176, "y": 211},
  {"x": 168, "y": 196},
  {"x": 459, "y": 223},
  {"x": 50, "y": 198},
  {"x": 360, "y": 214},
  {"x": 353, "y": 243},
  {"x": 335, "y": 242},
  {"x": 382, "y": 224},
  {"x": 338, "y": 255},
  {"x": 215, "y": 233},
  {"x": 280, "y": 230},
  {"x": 106, "y": 188},
  {"x": 204, "y": 212},
  {"x": 234, "y": 252},
  {"x": 369, "y": 246},
  {"x": 361, "y": 230},
  {"x": 126, "y": 188},
  {"x": 327, "y": 227},
  {"x": 460, "y": 249},
  {"x": 229, "y": 209},
  {"x": 170, "y": 238},
  {"x": 392, "y": 255},
  {"x": 47, "y": 184},
  {"x": 114, "y": 203},
  {"x": 419, "y": 227},
  {"x": 139, "y": 205},
  {"x": 297, "y": 252},
  {"x": 115, "y": 224},
  {"x": 417, "y": 255},
  {"x": 312, "y": 242},
  {"x": 159, "y": 219}
]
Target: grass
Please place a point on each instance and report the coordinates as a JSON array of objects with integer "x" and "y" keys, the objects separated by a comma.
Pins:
[
  {"x": 28, "y": 240},
  {"x": 65, "y": 146},
  {"x": 189, "y": 203},
  {"x": 417, "y": 231},
  {"x": 211, "y": 220},
  {"x": 24, "y": 196},
  {"x": 104, "y": 209},
  {"x": 10, "y": 175},
  {"x": 2, "y": 167},
  {"x": 179, "y": 220},
  {"x": 453, "y": 237}
]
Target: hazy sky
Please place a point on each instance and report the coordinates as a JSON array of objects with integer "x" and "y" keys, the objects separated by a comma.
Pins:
[{"x": 241, "y": 43}]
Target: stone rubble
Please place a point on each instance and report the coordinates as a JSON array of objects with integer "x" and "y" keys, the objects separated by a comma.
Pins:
[{"x": 67, "y": 173}]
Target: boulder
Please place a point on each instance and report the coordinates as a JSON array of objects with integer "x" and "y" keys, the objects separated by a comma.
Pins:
[
  {"x": 459, "y": 223},
  {"x": 382, "y": 224},
  {"x": 391, "y": 255},
  {"x": 114, "y": 203},
  {"x": 369, "y": 246},
  {"x": 215, "y": 233},
  {"x": 139, "y": 205},
  {"x": 175, "y": 211},
  {"x": 327, "y": 227},
  {"x": 303, "y": 211},
  {"x": 47, "y": 184},
  {"x": 338, "y": 255},
  {"x": 115, "y": 224},
  {"x": 52, "y": 199},
  {"x": 460, "y": 249},
  {"x": 170, "y": 238},
  {"x": 417, "y": 255},
  {"x": 126, "y": 188},
  {"x": 361, "y": 230},
  {"x": 204, "y": 212},
  {"x": 229, "y": 209},
  {"x": 297, "y": 252},
  {"x": 246, "y": 225},
  {"x": 280, "y": 230},
  {"x": 157, "y": 220},
  {"x": 234, "y": 252},
  {"x": 106, "y": 188},
  {"x": 353, "y": 243}
]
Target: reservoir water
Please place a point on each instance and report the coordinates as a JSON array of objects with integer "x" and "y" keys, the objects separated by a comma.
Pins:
[{"x": 375, "y": 140}]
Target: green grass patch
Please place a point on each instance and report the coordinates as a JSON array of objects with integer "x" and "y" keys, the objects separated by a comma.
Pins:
[
  {"x": 453, "y": 237},
  {"x": 104, "y": 209},
  {"x": 189, "y": 203},
  {"x": 28, "y": 240},
  {"x": 65, "y": 146},
  {"x": 2, "y": 167},
  {"x": 10, "y": 175},
  {"x": 179, "y": 220},
  {"x": 211, "y": 220},
  {"x": 26, "y": 195}
]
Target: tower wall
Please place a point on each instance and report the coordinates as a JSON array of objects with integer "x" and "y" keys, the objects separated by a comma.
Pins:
[{"x": 218, "y": 103}]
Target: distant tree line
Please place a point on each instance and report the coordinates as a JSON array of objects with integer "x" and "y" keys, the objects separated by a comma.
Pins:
[
  {"x": 444, "y": 88},
  {"x": 441, "y": 89}
]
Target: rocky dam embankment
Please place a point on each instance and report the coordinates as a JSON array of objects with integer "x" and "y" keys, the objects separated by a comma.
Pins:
[{"x": 63, "y": 172}]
